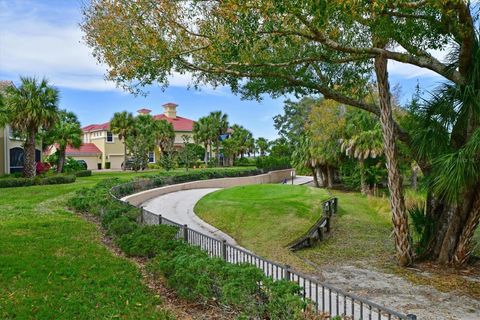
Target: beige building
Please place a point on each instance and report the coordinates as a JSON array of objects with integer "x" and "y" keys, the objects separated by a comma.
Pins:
[
  {"x": 101, "y": 145},
  {"x": 11, "y": 146},
  {"x": 11, "y": 151}
]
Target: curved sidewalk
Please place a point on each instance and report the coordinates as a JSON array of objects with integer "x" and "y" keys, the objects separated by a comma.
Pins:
[{"x": 178, "y": 206}]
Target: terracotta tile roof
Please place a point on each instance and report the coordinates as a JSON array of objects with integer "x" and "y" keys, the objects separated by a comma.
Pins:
[
  {"x": 179, "y": 123},
  {"x": 170, "y": 104},
  {"x": 96, "y": 127},
  {"x": 85, "y": 148}
]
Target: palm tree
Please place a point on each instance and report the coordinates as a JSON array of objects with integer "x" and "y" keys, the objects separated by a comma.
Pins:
[
  {"x": 29, "y": 108},
  {"x": 122, "y": 124},
  {"x": 262, "y": 145},
  {"x": 66, "y": 131},
  {"x": 164, "y": 135},
  {"x": 364, "y": 145},
  {"x": 219, "y": 123},
  {"x": 202, "y": 134}
]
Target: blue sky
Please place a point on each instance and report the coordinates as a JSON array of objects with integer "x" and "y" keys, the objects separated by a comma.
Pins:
[{"x": 42, "y": 38}]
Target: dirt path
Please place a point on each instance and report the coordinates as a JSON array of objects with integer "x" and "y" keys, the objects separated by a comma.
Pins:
[{"x": 399, "y": 294}]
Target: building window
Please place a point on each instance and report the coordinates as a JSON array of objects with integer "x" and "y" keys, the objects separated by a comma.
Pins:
[
  {"x": 109, "y": 136},
  {"x": 151, "y": 157},
  {"x": 16, "y": 160}
]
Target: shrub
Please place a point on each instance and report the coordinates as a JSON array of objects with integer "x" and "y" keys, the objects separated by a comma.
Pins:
[
  {"x": 42, "y": 167},
  {"x": 72, "y": 165},
  {"x": 121, "y": 226},
  {"x": 284, "y": 300},
  {"x": 148, "y": 241},
  {"x": 269, "y": 163},
  {"x": 22, "y": 182},
  {"x": 242, "y": 162},
  {"x": 83, "y": 173}
]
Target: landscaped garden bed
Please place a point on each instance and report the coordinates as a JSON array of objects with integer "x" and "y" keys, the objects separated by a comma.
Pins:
[{"x": 243, "y": 289}]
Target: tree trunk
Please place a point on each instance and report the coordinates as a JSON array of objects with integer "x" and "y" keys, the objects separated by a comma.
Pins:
[
  {"x": 363, "y": 183},
  {"x": 320, "y": 170},
  {"x": 61, "y": 160},
  {"x": 206, "y": 154},
  {"x": 453, "y": 228},
  {"x": 217, "y": 153},
  {"x": 124, "y": 167},
  {"x": 397, "y": 201},
  {"x": 29, "y": 168},
  {"x": 414, "y": 177},
  {"x": 315, "y": 177},
  {"x": 330, "y": 173}
]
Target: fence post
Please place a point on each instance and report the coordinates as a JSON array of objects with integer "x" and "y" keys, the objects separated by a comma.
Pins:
[
  {"x": 185, "y": 233},
  {"x": 327, "y": 225},
  {"x": 159, "y": 219},
  {"x": 335, "y": 202},
  {"x": 320, "y": 234},
  {"x": 286, "y": 275},
  {"x": 142, "y": 213},
  {"x": 411, "y": 317},
  {"x": 224, "y": 250}
]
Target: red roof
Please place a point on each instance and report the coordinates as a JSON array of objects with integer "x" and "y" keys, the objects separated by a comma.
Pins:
[
  {"x": 96, "y": 127},
  {"x": 170, "y": 104},
  {"x": 179, "y": 123},
  {"x": 85, "y": 148}
]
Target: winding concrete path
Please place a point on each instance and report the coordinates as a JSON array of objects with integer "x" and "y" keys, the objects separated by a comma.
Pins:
[{"x": 178, "y": 206}]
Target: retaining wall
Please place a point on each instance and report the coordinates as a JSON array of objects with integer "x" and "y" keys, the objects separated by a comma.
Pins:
[{"x": 270, "y": 177}]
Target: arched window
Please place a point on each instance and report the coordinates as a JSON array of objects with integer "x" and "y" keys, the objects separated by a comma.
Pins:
[{"x": 16, "y": 160}]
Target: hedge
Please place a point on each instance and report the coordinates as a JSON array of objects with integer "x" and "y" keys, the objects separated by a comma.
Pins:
[
  {"x": 22, "y": 182},
  {"x": 83, "y": 173},
  {"x": 168, "y": 178}
]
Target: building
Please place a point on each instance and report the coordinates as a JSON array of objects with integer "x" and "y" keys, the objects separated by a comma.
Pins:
[
  {"x": 11, "y": 146},
  {"x": 100, "y": 146}
]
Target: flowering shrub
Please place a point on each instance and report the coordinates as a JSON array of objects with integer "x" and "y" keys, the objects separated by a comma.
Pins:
[{"x": 42, "y": 167}]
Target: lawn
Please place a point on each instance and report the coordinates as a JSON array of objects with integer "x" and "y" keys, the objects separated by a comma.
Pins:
[
  {"x": 53, "y": 265},
  {"x": 264, "y": 218}
]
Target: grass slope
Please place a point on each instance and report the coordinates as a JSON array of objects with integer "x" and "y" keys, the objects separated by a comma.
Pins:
[
  {"x": 53, "y": 265},
  {"x": 264, "y": 218}
]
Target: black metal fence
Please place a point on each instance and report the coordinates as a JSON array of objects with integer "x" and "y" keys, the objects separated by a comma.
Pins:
[{"x": 323, "y": 297}]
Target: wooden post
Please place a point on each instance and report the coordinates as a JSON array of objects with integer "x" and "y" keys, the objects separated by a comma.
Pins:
[
  {"x": 159, "y": 219},
  {"x": 142, "y": 212}
]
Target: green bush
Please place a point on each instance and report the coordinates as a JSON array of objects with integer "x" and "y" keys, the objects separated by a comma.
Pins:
[
  {"x": 269, "y": 163},
  {"x": 242, "y": 162},
  {"x": 38, "y": 180},
  {"x": 72, "y": 165},
  {"x": 83, "y": 173},
  {"x": 284, "y": 300},
  {"x": 147, "y": 241},
  {"x": 121, "y": 226}
]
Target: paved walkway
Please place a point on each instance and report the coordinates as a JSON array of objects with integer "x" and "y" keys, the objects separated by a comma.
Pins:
[{"x": 178, "y": 206}]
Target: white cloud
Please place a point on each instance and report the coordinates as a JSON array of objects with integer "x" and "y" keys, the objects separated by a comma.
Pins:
[
  {"x": 37, "y": 40},
  {"x": 409, "y": 71}
]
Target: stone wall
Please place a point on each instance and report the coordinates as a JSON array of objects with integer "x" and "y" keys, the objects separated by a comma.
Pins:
[{"x": 271, "y": 177}]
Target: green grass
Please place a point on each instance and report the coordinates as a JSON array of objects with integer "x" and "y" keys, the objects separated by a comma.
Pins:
[
  {"x": 53, "y": 265},
  {"x": 264, "y": 218},
  {"x": 361, "y": 231}
]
